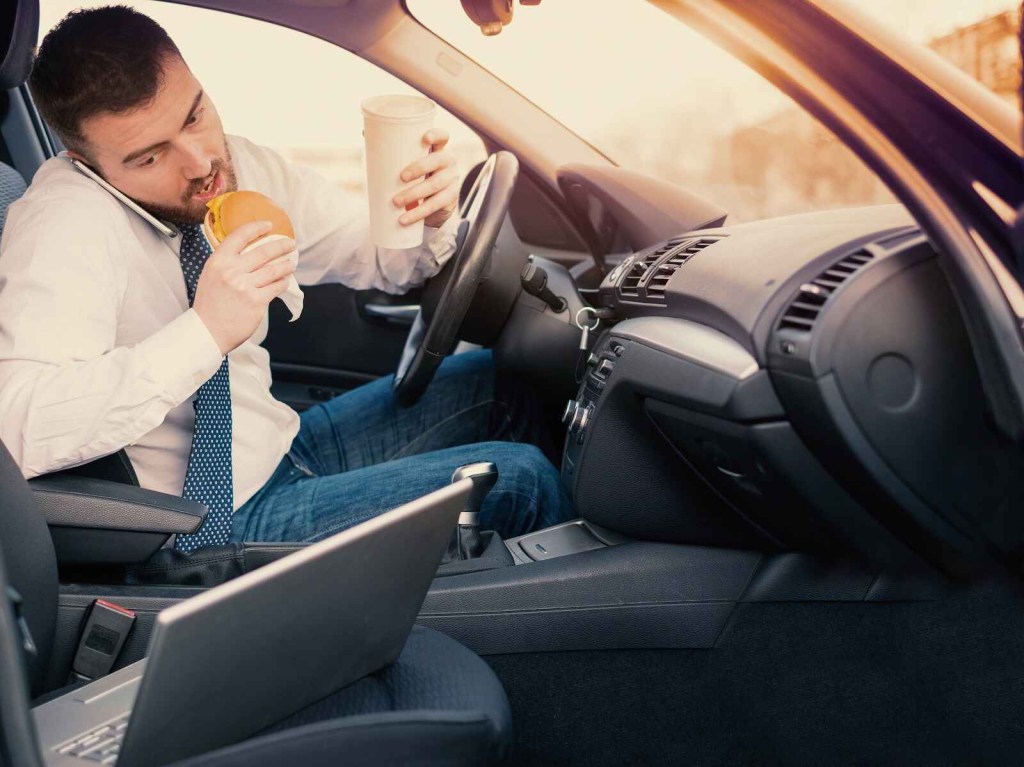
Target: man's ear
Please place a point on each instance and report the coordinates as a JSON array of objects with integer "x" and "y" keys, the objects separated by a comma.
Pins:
[
  {"x": 94, "y": 167},
  {"x": 80, "y": 157}
]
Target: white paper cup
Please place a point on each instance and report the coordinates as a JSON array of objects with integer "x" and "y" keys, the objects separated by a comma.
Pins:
[{"x": 393, "y": 128}]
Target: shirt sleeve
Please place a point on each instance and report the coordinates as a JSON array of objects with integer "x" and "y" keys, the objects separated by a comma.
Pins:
[
  {"x": 332, "y": 231},
  {"x": 67, "y": 393}
]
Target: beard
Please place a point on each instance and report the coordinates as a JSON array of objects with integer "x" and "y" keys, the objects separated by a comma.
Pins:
[{"x": 190, "y": 211}]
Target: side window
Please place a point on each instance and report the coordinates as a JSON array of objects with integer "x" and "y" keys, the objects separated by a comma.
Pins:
[{"x": 280, "y": 88}]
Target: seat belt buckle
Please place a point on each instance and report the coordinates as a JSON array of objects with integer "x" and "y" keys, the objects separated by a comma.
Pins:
[{"x": 104, "y": 635}]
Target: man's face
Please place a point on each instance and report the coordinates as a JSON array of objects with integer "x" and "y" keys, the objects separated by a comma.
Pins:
[{"x": 170, "y": 155}]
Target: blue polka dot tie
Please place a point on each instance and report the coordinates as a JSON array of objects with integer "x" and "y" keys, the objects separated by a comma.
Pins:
[{"x": 208, "y": 477}]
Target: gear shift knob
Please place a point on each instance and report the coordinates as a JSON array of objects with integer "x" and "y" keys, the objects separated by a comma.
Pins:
[
  {"x": 467, "y": 543},
  {"x": 484, "y": 476}
]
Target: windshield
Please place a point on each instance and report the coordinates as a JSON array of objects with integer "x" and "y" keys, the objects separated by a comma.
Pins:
[{"x": 658, "y": 98}]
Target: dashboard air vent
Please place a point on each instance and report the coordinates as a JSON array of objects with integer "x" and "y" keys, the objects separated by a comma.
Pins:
[
  {"x": 630, "y": 285},
  {"x": 658, "y": 282},
  {"x": 804, "y": 309}
]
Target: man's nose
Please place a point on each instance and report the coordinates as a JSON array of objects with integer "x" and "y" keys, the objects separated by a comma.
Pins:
[{"x": 198, "y": 163}]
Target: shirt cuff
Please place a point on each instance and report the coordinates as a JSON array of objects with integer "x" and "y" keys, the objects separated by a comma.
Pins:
[
  {"x": 440, "y": 240},
  {"x": 181, "y": 356}
]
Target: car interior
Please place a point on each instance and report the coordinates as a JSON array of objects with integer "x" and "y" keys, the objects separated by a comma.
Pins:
[{"x": 799, "y": 536}]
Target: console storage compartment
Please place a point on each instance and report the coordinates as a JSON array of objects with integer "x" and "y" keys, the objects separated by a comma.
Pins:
[{"x": 561, "y": 540}]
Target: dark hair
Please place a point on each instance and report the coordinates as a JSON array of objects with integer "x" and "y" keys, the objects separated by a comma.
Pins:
[{"x": 98, "y": 60}]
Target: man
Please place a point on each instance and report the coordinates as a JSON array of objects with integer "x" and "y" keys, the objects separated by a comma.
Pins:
[{"x": 115, "y": 335}]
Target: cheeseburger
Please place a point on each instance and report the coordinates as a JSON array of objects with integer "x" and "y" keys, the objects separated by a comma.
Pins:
[{"x": 229, "y": 211}]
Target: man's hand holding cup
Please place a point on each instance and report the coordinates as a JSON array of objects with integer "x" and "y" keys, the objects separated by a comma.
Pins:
[
  {"x": 435, "y": 198},
  {"x": 411, "y": 178}
]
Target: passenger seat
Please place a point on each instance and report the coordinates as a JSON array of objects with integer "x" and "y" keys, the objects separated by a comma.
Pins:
[{"x": 12, "y": 186}]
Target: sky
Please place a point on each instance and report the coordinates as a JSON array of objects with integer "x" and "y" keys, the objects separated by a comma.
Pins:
[
  {"x": 635, "y": 61},
  {"x": 922, "y": 20},
  {"x": 591, "y": 70}
]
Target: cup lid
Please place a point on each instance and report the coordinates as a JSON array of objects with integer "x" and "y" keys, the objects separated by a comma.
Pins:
[{"x": 397, "y": 108}]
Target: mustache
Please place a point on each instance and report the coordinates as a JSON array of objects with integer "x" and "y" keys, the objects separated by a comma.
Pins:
[{"x": 196, "y": 184}]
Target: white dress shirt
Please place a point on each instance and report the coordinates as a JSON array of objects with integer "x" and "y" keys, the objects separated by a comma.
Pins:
[{"x": 99, "y": 349}]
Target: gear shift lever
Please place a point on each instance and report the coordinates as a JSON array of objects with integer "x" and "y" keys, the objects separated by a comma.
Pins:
[{"x": 467, "y": 543}]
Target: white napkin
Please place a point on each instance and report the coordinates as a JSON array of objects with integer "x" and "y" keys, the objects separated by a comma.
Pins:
[{"x": 292, "y": 297}]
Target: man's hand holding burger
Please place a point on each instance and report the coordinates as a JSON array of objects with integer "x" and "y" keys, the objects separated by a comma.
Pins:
[
  {"x": 235, "y": 288},
  {"x": 439, "y": 189}
]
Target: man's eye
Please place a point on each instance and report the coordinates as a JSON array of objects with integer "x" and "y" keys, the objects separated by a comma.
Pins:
[
  {"x": 148, "y": 161},
  {"x": 195, "y": 117}
]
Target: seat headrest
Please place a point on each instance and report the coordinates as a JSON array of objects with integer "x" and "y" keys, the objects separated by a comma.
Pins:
[{"x": 19, "y": 28}]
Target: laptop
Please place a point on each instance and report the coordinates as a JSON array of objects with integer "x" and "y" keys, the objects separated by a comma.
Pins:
[{"x": 232, "y": 661}]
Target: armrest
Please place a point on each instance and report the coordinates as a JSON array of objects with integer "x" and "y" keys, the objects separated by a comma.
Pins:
[{"x": 93, "y": 521}]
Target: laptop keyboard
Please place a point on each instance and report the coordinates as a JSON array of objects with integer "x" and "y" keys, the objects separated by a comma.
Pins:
[{"x": 102, "y": 745}]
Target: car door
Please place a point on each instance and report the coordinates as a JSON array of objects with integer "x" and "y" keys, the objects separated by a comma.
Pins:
[{"x": 344, "y": 338}]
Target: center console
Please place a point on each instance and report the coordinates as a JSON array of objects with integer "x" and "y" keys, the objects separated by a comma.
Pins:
[
  {"x": 579, "y": 412},
  {"x": 622, "y": 471}
]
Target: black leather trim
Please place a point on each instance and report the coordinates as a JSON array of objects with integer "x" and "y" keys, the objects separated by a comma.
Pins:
[
  {"x": 19, "y": 27},
  {"x": 94, "y": 503},
  {"x": 209, "y": 566},
  {"x": 494, "y": 555}
]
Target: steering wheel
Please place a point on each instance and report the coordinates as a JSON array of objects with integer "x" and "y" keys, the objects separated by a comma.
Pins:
[{"x": 484, "y": 212}]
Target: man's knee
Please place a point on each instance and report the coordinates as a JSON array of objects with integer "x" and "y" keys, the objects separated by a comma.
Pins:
[
  {"x": 521, "y": 464},
  {"x": 529, "y": 491},
  {"x": 471, "y": 365}
]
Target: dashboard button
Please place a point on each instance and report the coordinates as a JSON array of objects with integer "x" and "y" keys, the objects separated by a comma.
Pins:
[
  {"x": 578, "y": 416},
  {"x": 584, "y": 422}
]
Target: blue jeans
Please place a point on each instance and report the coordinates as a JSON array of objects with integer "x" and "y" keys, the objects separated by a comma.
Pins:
[{"x": 359, "y": 455}]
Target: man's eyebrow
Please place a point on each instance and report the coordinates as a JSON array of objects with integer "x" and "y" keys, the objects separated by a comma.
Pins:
[
  {"x": 140, "y": 152},
  {"x": 146, "y": 150},
  {"x": 193, "y": 108}
]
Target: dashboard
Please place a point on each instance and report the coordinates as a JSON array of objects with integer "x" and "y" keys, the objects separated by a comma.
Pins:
[{"x": 799, "y": 383}]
